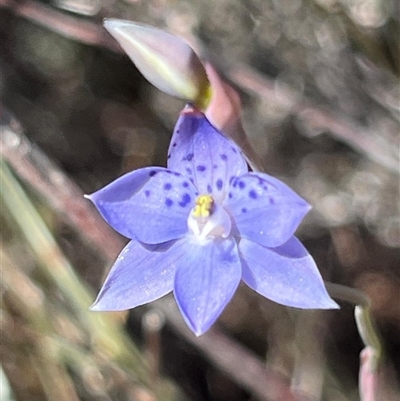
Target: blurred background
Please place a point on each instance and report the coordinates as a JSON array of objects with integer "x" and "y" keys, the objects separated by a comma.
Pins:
[{"x": 319, "y": 82}]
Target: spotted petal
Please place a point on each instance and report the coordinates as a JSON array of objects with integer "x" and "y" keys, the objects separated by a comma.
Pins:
[
  {"x": 150, "y": 204},
  {"x": 141, "y": 274},
  {"x": 286, "y": 275},
  {"x": 264, "y": 209},
  {"x": 201, "y": 152},
  {"x": 206, "y": 281}
]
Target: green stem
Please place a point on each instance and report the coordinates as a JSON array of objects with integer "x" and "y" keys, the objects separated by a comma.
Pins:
[{"x": 363, "y": 316}]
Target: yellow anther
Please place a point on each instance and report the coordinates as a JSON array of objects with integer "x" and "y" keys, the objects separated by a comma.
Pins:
[{"x": 204, "y": 206}]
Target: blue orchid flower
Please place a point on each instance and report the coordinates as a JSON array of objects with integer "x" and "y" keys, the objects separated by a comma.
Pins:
[{"x": 203, "y": 224}]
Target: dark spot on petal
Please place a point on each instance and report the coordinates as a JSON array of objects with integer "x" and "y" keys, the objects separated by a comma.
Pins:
[
  {"x": 152, "y": 173},
  {"x": 175, "y": 174},
  {"x": 215, "y": 166},
  {"x": 253, "y": 194},
  {"x": 168, "y": 202},
  {"x": 233, "y": 149},
  {"x": 168, "y": 171},
  {"x": 224, "y": 156},
  {"x": 189, "y": 156},
  {"x": 242, "y": 185},
  {"x": 189, "y": 170},
  {"x": 192, "y": 180},
  {"x": 234, "y": 183},
  {"x": 219, "y": 184},
  {"x": 209, "y": 189},
  {"x": 271, "y": 201},
  {"x": 147, "y": 193},
  {"x": 230, "y": 195},
  {"x": 244, "y": 210},
  {"x": 167, "y": 186},
  {"x": 185, "y": 184},
  {"x": 169, "y": 156},
  {"x": 174, "y": 144},
  {"x": 201, "y": 168},
  {"x": 185, "y": 200}
]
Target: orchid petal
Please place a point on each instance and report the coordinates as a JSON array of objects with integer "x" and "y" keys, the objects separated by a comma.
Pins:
[
  {"x": 264, "y": 209},
  {"x": 286, "y": 275},
  {"x": 151, "y": 204},
  {"x": 200, "y": 151},
  {"x": 141, "y": 274},
  {"x": 205, "y": 281},
  {"x": 165, "y": 61}
]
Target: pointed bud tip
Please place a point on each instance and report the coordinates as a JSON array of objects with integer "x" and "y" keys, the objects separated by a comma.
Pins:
[
  {"x": 109, "y": 23},
  {"x": 112, "y": 24}
]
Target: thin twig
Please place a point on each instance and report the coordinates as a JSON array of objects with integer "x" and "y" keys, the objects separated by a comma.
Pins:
[
  {"x": 359, "y": 138},
  {"x": 233, "y": 359},
  {"x": 66, "y": 25},
  {"x": 58, "y": 190}
]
